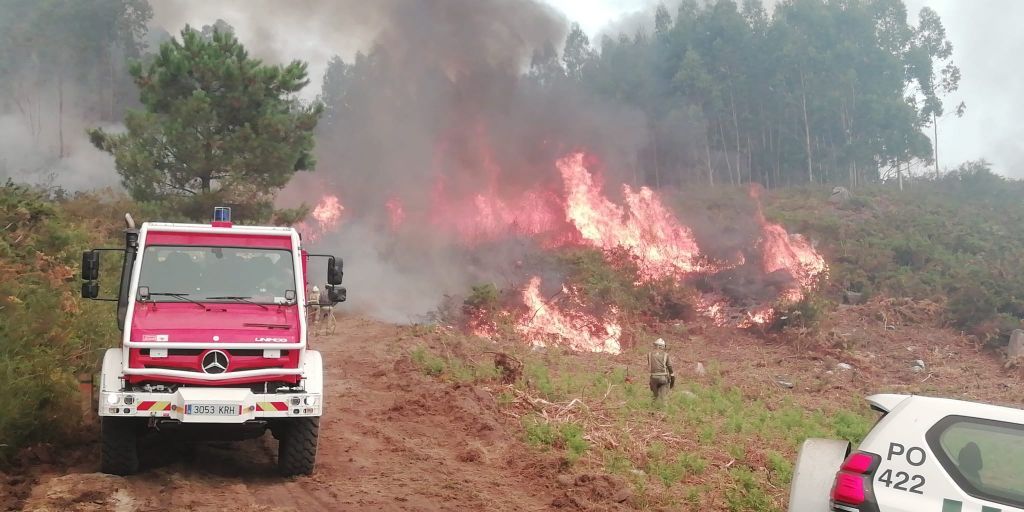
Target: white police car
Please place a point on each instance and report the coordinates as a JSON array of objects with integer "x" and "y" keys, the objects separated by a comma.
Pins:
[{"x": 923, "y": 455}]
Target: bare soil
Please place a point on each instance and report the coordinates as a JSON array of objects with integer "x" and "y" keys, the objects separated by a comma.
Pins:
[{"x": 393, "y": 438}]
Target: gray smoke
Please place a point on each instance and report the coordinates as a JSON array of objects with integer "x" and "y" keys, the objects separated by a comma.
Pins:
[
  {"x": 435, "y": 112},
  {"x": 987, "y": 39},
  {"x": 30, "y": 146}
]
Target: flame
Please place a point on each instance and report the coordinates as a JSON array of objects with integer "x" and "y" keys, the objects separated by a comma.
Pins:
[
  {"x": 758, "y": 316},
  {"x": 713, "y": 307},
  {"x": 661, "y": 245},
  {"x": 328, "y": 211},
  {"x": 481, "y": 324},
  {"x": 578, "y": 213},
  {"x": 544, "y": 323},
  {"x": 490, "y": 216},
  {"x": 792, "y": 253},
  {"x": 327, "y": 217},
  {"x": 396, "y": 212}
]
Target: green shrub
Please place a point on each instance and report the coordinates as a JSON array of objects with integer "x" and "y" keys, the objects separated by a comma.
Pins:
[
  {"x": 482, "y": 297},
  {"x": 957, "y": 237},
  {"x": 673, "y": 470},
  {"x": 609, "y": 279},
  {"x": 807, "y": 313},
  {"x": 781, "y": 468},
  {"x": 429, "y": 363},
  {"x": 47, "y": 334},
  {"x": 572, "y": 438},
  {"x": 747, "y": 493},
  {"x": 539, "y": 432}
]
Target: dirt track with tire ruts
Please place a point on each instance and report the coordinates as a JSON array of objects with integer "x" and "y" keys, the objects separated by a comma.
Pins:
[{"x": 390, "y": 439}]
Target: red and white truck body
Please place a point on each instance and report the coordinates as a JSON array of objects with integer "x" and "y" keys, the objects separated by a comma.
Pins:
[{"x": 214, "y": 320}]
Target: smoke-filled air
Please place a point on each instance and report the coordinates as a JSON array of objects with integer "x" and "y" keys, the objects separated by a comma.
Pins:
[
  {"x": 444, "y": 163},
  {"x": 511, "y": 255}
]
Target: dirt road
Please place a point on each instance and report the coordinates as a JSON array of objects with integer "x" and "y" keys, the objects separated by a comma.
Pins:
[{"x": 391, "y": 439}]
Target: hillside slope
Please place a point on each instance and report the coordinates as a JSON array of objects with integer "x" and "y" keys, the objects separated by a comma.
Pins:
[{"x": 402, "y": 434}]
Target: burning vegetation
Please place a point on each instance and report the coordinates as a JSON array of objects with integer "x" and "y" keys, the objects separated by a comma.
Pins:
[
  {"x": 456, "y": 169},
  {"x": 639, "y": 236}
]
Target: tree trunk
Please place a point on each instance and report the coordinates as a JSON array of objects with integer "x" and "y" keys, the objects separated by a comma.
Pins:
[
  {"x": 60, "y": 115},
  {"x": 654, "y": 147},
  {"x": 764, "y": 148},
  {"x": 807, "y": 129},
  {"x": 750, "y": 162},
  {"x": 935, "y": 126},
  {"x": 707, "y": 151},
  {"x": 736, "y": 129},
  {"x": 899, "y": 174},
  {"x": 113, "y": 84},
  {"x": 728, "y": 163}
]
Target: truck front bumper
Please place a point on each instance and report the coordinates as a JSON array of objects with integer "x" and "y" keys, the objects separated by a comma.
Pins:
[{"x": 210, "y": 405}]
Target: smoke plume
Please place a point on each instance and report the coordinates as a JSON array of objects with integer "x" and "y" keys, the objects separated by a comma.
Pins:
[
  {"x": 442, "y": 152},
  {"x": 42, "y": 146}
]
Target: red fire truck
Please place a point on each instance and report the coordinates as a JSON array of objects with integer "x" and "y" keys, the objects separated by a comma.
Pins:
[{"x": 215, "y": 341}]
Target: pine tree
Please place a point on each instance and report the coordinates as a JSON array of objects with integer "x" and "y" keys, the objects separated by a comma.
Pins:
[{"x": 217, "y": 127}]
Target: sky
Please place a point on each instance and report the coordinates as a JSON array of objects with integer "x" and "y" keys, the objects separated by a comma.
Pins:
[
  {"x": 987, "y": 35},
  {"x": 988, "y": 45}
]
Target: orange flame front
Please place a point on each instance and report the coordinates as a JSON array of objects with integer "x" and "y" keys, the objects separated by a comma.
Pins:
[
  {"x": 396, "y": 212},
  {"x": 545, "y": 324},
  {"x": 327, "y": 217},
  {"x": 658, "y": 242},
  {"x": 661, "y": 245},
  {"x": 792, "y": 253},
  {"x": 489, "y": 216}
]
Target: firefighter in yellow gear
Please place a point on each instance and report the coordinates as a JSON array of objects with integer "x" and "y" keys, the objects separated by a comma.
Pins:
[
  {"x": 328, "y": 323},
  {"x": 662, "y": 375},
  {"x": 313, "y": 310}
]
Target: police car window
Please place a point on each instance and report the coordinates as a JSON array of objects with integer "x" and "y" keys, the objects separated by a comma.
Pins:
[{"x": 986, "y": 458}]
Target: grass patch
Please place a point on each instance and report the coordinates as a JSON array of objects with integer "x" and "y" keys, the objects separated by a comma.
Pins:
[
  {"x": 747, "y": 492},
  {"x": 453, "y": 369},
  {"x": 710, "y": 446},
  {"x": 429, "y": 363},
  {"x": 703, "y": 425},
  {"x": 781, "y": 468},
  {"x": 541, "y": 433},
  {"x": 951, "y": 237},
  {"x": 672, "y": 469}
]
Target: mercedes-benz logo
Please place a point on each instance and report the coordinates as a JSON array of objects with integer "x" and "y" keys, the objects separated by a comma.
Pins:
[{"x": 215, "y": 361}]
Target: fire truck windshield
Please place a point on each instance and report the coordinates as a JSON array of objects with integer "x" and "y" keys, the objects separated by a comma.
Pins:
[{"x": 217, "y": 274}]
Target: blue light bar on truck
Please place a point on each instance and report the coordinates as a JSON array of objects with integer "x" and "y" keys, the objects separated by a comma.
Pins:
[{"x": 222, "y": 214}]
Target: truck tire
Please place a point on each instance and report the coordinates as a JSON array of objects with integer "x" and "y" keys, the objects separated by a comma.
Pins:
[
  {"x": 296, "y": 450},
  {"x": 816, "y": 466},
  {"x": 120, "y": 447}
]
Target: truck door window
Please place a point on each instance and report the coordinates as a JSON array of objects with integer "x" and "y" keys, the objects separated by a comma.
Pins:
[
  {"x": 984, "y": 457},
  {"x": 257, "y": 275}
]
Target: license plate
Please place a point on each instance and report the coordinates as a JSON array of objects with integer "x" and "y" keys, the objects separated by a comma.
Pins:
[{"x": 213, "y": 409}]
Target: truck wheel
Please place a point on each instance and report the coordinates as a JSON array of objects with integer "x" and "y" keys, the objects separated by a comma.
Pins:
[
  {"x": 296, "y": 451},
  {"x": 120, "y": 452},
  {"x": 816, "y": 467}
]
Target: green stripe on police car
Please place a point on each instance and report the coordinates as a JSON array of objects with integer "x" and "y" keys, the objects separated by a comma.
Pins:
[{"x": 949, "y": 505}]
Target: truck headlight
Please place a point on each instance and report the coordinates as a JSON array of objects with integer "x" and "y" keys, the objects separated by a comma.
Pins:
[
  {"x": 312, "y": 400},
  {"x": 112, "y": 399}
]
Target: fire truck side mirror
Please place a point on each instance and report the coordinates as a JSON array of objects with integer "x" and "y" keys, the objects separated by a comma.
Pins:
[
  {"x": 337, "y": 294},
  {"x": 90, "y": 265},
  {"x": 335, "y": 270},
  {"x": 90, "y": 290}
]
